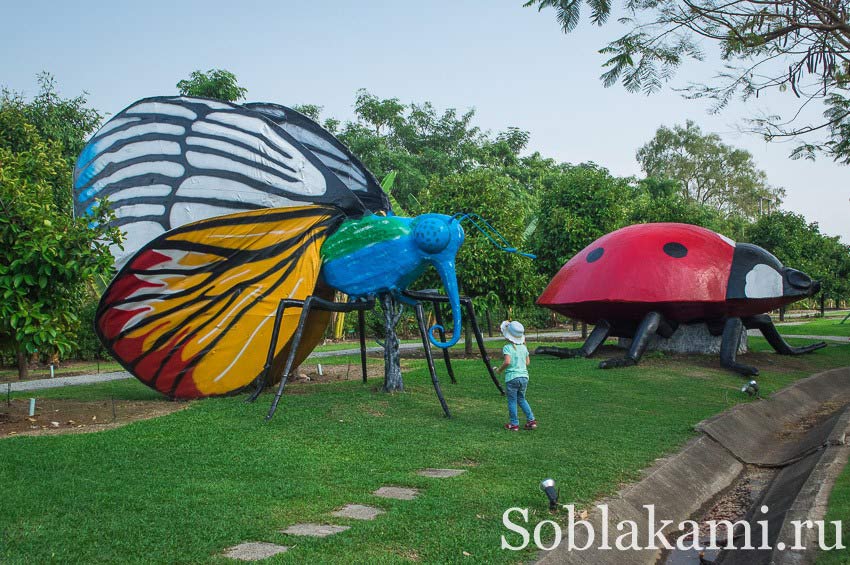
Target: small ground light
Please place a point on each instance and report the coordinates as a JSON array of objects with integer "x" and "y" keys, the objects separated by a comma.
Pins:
[
  {"x": 548, "y": 486},
  {"x": 751, "y": 388}
]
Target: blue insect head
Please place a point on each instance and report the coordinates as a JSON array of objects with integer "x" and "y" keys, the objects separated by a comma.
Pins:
[{"x": 438, "y": 238}]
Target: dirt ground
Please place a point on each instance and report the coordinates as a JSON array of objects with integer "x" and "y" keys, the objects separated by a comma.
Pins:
[{"x": 59, "y": 416}]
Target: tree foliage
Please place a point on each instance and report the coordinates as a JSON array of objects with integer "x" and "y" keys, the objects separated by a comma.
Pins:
[
  {"x": 661, "y": 200},
  {"x": 215, "y": 83},
  {"x": 577, "y": 205},
  {"x": 47, "y": 257},
  {"x": 796, "y": 46},
  {"x": 708, "y": 171},
  {"x": 419, "y": 143},
  {"x": 65, "y": 121},
  {"x": 801, "y": 245}
]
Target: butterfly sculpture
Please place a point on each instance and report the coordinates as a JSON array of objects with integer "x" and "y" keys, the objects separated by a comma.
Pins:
[{"x": 228, "y": 210}]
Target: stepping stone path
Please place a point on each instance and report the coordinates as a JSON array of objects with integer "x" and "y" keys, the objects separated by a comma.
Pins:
[
  {"x": 440, "y": 473},
  {"x": 314, "y": 530},
  {"x": 254, "y": 551},
  {"x": 398, "y": 493},
  {"x": 358, "y": 512}
]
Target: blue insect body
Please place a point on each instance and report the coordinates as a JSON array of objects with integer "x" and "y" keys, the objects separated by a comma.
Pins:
[{"x": 375, "y": 255}]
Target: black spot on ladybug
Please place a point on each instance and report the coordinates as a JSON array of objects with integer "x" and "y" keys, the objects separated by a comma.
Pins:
[
  {"x": 595, "y": 255},
  {"x": 676, "y": 250}
]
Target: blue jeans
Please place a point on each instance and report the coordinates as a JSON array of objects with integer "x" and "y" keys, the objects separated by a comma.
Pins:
[{"x": 515, "y": 389}]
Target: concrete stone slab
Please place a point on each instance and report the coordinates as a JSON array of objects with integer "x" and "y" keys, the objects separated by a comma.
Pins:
[
  {"x": 398, "y": 493},
  {"x": 254, "y": 551},
  {"x": 314, "y": 530},
  {"x": 358, "y": 512},
  {"x": 440, "y": 473},
  {"x": 688, "y": 338}
]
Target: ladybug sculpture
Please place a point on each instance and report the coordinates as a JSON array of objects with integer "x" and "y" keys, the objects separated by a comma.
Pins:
[{"x": 648, "y": 279}]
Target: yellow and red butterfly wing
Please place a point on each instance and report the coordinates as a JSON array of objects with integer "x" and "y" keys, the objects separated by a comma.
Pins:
[{"x": 191, "y": 314}]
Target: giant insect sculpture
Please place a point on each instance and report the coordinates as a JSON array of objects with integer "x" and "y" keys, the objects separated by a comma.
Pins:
[
  {"x": 647, "y": 279},
  {"x": 233, "y": 215}
]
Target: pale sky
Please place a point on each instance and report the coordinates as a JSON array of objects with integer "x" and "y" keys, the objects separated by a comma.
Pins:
[{"x": 512, "y": 64}]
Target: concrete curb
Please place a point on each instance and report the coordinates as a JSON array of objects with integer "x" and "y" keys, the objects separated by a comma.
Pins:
[
  {"x": 813, "y": 499},
  {"x": 696, "y": 474},
  {"x": 681, "y": 485},
  {"x": 749, "y": 430}
]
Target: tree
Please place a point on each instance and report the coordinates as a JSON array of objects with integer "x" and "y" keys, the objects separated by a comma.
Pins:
[
  {"x": 802, "y": 246},
  {"x": 420, "y": 143},
  {"x": 708, "y": 171},
  {"x": 578, "y": 204},
  {"x": 796, "y": 46},
  {"x": 47, "y": 258},
  {"x": 661, "y": 200},
  {"x": 68, "y": 121},
  {"x": 215, "y": 83}
]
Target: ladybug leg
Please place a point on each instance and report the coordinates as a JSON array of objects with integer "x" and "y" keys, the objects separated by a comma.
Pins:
[
  {"x": 648, "y": 327},
  {"x": 764, "y": 324},
  {"x": 732, "y": 331},
  {"x": 596, "y": 338}
]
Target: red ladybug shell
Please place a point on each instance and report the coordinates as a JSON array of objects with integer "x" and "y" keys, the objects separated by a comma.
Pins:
[{"x": 680, "y": 270}]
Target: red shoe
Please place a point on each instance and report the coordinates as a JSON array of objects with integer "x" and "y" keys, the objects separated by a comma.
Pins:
[
  {"x": 531, "y": 425},
  {"x": 511, "y": 428}
]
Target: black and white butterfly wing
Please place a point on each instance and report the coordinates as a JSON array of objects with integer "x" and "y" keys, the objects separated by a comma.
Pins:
[
  {"x": 336, "y": 156},
  {"x": 167, "y": 161}
]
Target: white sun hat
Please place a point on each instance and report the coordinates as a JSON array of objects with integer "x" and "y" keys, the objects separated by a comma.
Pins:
[{"x": 513, "y": 331}]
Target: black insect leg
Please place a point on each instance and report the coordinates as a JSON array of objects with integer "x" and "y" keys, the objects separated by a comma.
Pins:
[
  {"x": 596, "y": 338},
  {"x": 476, "y": 329},
  {"x": 420, "y": 319},
  {"x": 361, "y": 328},
  {"x": 263, "y": 379},
  {"x": 764, "y": 324},
  {"x": 647, "y": 328},
  {"x": 438, "y": 314},
  {"x": 293, "y": 348},
  {"x": 310, "y": 303},
  {"x": 732, "y": 331}
]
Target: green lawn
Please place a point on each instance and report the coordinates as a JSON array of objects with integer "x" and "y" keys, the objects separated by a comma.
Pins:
[
  {"x": 839, "y": 509},
  {"x": 181, "y": 488},
  {"x": 820, "y": 326},
  {"x": 839, "y": 501}
]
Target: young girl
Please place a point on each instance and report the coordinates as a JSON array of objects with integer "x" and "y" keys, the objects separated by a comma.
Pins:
[{"x": 516, "y": 374}]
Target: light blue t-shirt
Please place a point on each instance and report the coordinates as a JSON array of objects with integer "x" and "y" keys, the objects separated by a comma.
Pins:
[{"x": 517, "y": 368}]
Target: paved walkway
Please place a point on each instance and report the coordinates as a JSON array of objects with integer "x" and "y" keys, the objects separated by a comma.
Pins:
[
  {"x": 65, "y": 381},
  {"x": 119, "y": 375}
]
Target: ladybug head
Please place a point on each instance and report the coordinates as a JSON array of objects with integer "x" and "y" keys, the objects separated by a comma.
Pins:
[{"x": 757, "y": 273}]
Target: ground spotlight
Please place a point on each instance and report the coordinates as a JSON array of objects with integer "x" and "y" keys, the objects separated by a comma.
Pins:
[
  {"x": 751, "y": 388},
  {"x": 548, "y": 486}
]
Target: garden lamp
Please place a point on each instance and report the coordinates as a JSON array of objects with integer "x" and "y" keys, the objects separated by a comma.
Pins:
[
  {"x": 548, "y": 486},
  {"x": 751, "y": 388}
]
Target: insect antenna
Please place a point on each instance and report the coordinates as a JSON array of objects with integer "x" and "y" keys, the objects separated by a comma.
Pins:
[{"x": 491, "y": 233}]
